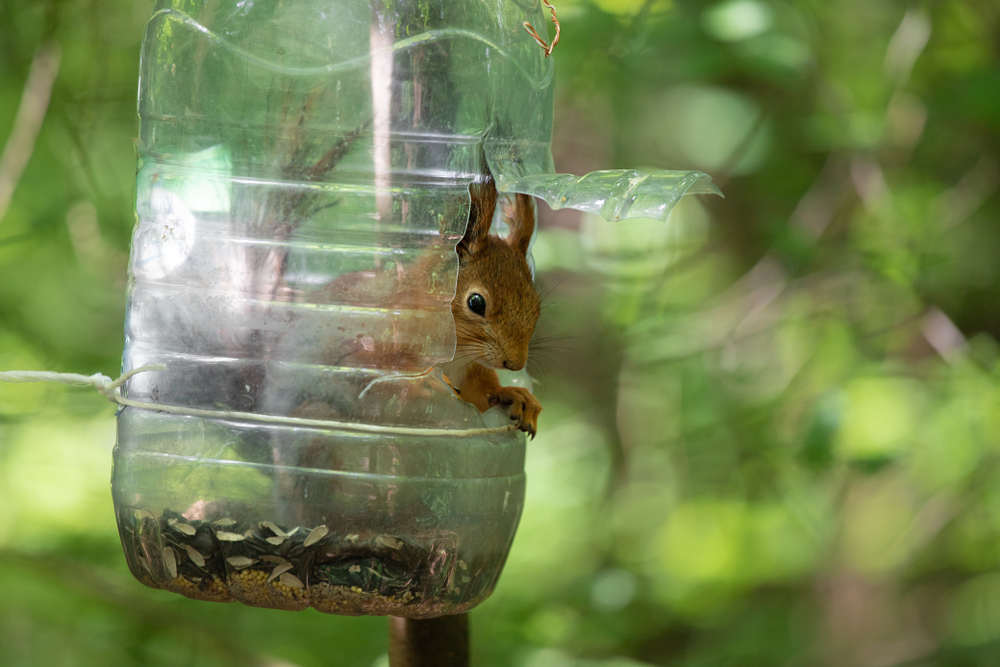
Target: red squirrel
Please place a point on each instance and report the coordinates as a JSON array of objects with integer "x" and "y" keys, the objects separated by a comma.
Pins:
[
  {"x": 496, "y": 306},
  {"x": 495, "y": 309}
]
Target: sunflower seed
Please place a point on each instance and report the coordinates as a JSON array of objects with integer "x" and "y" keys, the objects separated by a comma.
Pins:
[
  {"x": 290, "y": 580},
  {"x": 352, "y": 537},
  {"x": 229, "y": 537},
  {"x": 274, "y": 529},
  {"x": 273, "y": 559},
  {"x": 240, "y": 562},
  {"x": 462, "y": 565},
  {"x": 171, "y": 522},
  {"x": 388, "y": 541},
  {"x": 195, "y": 557},
  {"x": 170, "y": 562},
  {"x": 317, "y": 534},
  {"x": 185, "y": 528},
  {"x": 354, "y": 569},
  {"x": 224, "y": 523},
  {"x": 278, "y": 571},
  {"x": 275, "y": 540}
]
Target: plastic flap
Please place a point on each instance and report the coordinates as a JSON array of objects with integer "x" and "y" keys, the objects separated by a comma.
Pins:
[{"x": 613, "y": 194}]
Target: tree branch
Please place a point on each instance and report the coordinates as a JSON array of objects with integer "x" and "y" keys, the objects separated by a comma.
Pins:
[{"x": 28, "y": 121}]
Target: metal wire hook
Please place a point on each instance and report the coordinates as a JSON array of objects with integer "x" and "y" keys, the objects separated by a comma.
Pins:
[{"x": 541, "y": 42}]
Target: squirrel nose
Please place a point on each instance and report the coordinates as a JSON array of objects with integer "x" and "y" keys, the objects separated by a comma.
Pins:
[{"x": 511, "y": 365}]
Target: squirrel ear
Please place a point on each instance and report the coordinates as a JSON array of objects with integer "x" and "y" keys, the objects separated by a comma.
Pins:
[
  {"x": 484, "y": 204},
  {"x": 520, "y": 217}
]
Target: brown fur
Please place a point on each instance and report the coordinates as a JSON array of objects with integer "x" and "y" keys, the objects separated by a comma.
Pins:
[{"x": 496, "y": 268}]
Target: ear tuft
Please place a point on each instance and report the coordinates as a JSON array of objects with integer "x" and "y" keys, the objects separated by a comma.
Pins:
[
  {"x": 520, "y": 217},
  {"x": 483, "y": 192}
]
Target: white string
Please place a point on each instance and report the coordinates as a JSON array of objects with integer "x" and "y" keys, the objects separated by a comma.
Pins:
[{"x": 111, "y": 390}]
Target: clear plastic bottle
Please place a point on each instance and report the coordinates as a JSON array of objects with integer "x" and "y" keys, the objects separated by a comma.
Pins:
[{"x": 302, "y": 182}]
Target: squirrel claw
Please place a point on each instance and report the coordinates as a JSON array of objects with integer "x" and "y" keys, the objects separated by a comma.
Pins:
[{"x": 523, "y": 406}]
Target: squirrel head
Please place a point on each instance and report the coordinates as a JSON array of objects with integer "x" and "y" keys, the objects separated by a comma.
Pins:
[{"x": 496, "y": 306}]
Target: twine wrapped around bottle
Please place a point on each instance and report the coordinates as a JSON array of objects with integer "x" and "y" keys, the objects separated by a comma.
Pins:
[{"x": 111, "y": 390}]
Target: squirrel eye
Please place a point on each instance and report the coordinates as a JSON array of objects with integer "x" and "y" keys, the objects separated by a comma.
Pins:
[{"x": 477, "y": 304}]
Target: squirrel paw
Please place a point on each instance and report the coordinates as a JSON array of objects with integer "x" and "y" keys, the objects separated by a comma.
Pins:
[{"x": 524, "y": 407}]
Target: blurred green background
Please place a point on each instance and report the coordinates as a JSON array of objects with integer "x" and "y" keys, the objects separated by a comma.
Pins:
[{"x": 772, "y": 425}]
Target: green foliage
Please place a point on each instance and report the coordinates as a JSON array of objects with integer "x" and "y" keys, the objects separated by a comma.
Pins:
[{"x": 772, "y": 424}]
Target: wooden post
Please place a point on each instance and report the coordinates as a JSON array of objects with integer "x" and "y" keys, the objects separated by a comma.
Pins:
[{"x": 433, "y": 642}]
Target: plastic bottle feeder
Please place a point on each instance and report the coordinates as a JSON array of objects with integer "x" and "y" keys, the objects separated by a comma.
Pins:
[{"x": 303, "y": 179}]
